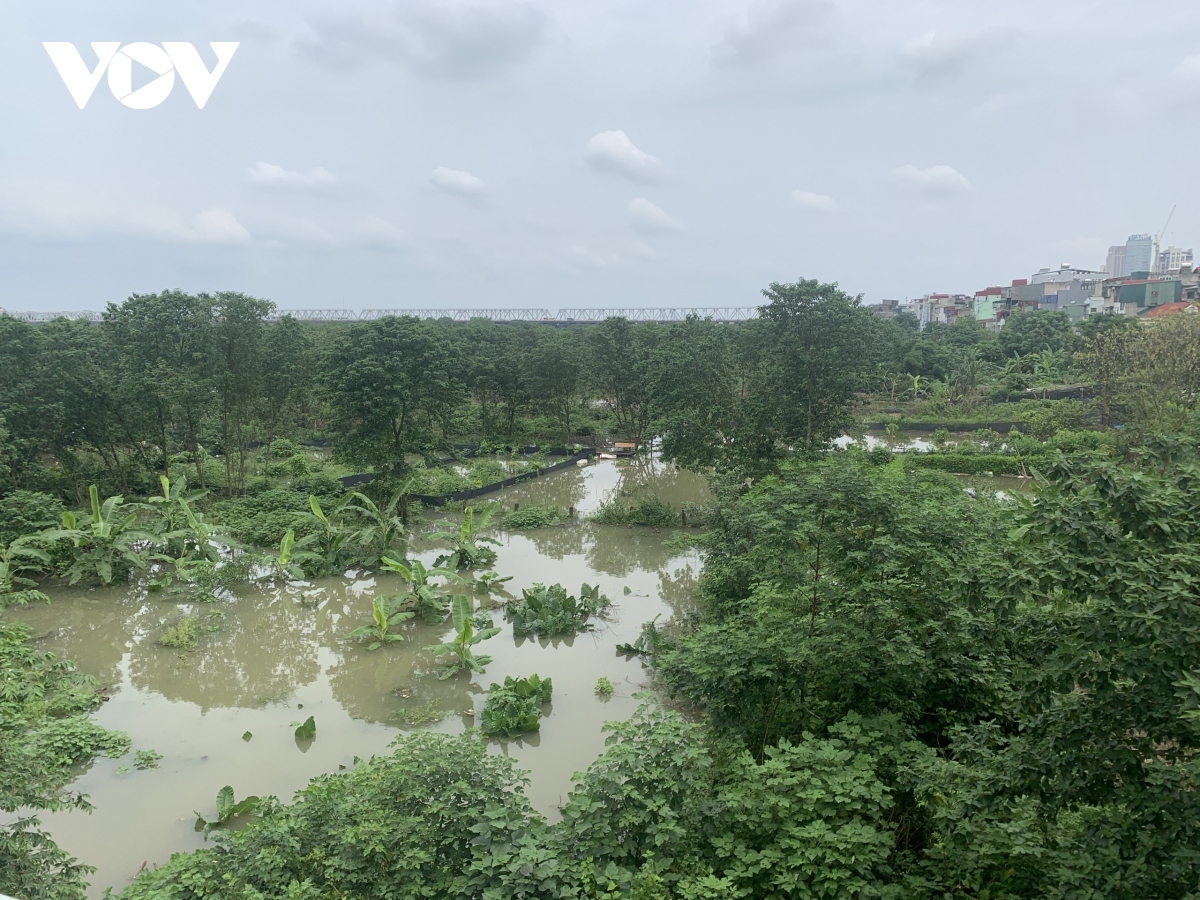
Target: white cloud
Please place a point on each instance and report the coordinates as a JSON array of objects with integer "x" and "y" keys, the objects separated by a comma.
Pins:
[
  {"x": 457, "y": 39},
  {"x": 933, "y": 183},
  {"x": 613, "y": 151},
  {"x": 937, "y": 54},
  {"x": 452, "y": 181},
  {"x": 645, "y": 216},
  {"x": 769, "y": 29},
  {"x": 819, "y": 202},
  {"x": 373, "y": 231},
  {"x": 217, "y": 226},
  {"x": 271, "y": 175}
]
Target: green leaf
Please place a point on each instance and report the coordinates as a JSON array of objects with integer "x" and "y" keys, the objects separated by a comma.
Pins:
[
  {"x": 308, "y": 730},
  {"x": 224, "y": 802}
]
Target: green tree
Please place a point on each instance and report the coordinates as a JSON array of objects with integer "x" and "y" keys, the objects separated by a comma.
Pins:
[
  {"x": 392, "y": 385},
  {"x": 1029, "y": 331},
  {"x": 817, "y": 353}
]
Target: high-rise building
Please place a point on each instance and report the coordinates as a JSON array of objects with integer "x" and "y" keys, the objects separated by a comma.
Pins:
[
  {"x": 1139, "y": 253},
  {"x": 1114, "y": 265},
  {"x": 1172, "y": 259}
]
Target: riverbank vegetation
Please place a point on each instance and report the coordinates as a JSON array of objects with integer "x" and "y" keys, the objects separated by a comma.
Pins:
[{"x": 887, "y": 686}]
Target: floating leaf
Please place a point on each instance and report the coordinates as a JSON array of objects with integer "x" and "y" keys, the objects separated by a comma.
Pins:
[
  {"x": 308, "y": 730},
  {"x": 246, "y": 736}
]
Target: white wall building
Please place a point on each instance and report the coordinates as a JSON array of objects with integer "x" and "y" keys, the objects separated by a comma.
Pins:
[
  {"x": 1114, "y": 264},
  {"x": 1172, "y": 259}
]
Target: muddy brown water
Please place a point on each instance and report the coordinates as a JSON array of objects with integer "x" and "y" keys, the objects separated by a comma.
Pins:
[{"x": 277, "y": 656}]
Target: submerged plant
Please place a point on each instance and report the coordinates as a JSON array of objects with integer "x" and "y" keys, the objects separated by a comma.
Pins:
[
  {"x": 648, "y": 643},
  {"x": 490, "y": 581},
  {"x": 532, "y": 517},
  {"x": 384, "y": 617},
  {"x": 423, "y": 596},
  {"x": 383, "y": 531},
  {"x": 146, "y": 759},
  {"x": 467, "y": 541},
  {"x": 328, "y": 549},
  {"x": 604, "y": 687},
  {"x": 515, "y": 707},
  {"x": 462, "y": 657},
  {"x": 551, "y": 612},
  {"x": 105, "y": 543},
  {"x": 227, "y": 809}
]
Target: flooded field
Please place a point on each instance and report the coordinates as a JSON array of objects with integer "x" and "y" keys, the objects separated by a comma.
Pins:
[{"x": 226, "y": 712}]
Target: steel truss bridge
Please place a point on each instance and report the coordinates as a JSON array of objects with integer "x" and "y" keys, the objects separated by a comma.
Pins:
[{"x": 664, "y": 315}]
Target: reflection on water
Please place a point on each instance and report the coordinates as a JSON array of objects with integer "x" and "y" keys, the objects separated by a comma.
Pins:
[{"x": 281, "y": 654}]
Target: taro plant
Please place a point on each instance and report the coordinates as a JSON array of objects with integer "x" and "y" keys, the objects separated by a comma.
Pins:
[
  {"x": 515, "y": 707},
  {"x": 384, "y": 617},
  {"x": 106, "y": 544},
  {"x": 551, "y": 612},
  {"x": 383, "y": 531},
  {"x": 423, "y": 597},
  {"x": 227, "y": 810},
  {"x": 459, "y": 649},
  {"x": 468, "y": 540},
  {"x": 18, "y": 561}
]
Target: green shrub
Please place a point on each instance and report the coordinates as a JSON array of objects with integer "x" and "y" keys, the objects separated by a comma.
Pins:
[
  {"x": 551, "y": 612},
  {"x": 487, "y": 471},
  {"x": 532, "y": 517},
  {"x": 968, "y": 463},
  {"x": 604, "y": 687},
  {"x": 26, "y": 512},
  {"x": 648, "y": 511},
  {"x": 515, "y": 707},
  {"x": 283, "y": 448}
]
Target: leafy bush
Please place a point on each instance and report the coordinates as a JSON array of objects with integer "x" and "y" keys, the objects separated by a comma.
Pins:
[
  {"x": 515, "y": 707},
  {"x": 532, "y": 517},
  {"x": 968, "y": 463},
  {"x": 551, "y": 612},
  {"x": 283, "y": 449},
  {"x": 27, "y": 512},
  {"x": 487, "y": 471},
  {"x": 648, "y": 511},
  {"x": 263, "y": 519},
  {"x": 44, "y": 734},
  {"x": 604, "y": 687}
]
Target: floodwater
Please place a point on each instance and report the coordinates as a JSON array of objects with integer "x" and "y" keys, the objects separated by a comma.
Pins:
[{"x": 226, "y": 712}]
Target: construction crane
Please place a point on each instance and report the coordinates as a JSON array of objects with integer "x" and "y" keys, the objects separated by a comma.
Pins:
[{"x": 1157, "y": 240}]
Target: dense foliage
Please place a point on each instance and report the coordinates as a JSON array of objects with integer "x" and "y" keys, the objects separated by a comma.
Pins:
[{"x": 44, "y": 733}]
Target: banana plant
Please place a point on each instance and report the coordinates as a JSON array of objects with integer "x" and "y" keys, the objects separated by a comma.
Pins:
[
  {"x": 171, "y": 506},
  {"x": 383, "y": 530},
  {"x": 466, "y": 541},
  {"x": 328, "y": 546},
  {"x": 423, "y": 596},
  {"x": 461, "y": 657},
  {"x": 227, "y": 809},
  {"x": 105, "y": 542},
  {"x": 384, "y": 617},
  {"x": 289, "y": 563},
  {"x": 17, "y": 561}
]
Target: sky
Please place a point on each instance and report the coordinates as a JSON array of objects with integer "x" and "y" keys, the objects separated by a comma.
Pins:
[{"x": 553, "y": 154}]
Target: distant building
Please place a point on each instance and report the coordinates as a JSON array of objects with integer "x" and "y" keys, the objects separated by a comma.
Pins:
[
  {"x": 1139, "y": 254},
  {"x": 1114, "y": 265},
  {"x": 987, "y": 302},
  {"x": 1065, "y": 273},
  {"x": 885, "y": 309},
  {"x": 1136, "y": 296},
  {"x": 1172, "y": 259},
  {"x": 941, "y": 309}
]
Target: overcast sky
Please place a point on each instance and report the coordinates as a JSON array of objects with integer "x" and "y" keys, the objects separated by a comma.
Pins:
[{"x": 557, "y": 154}]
